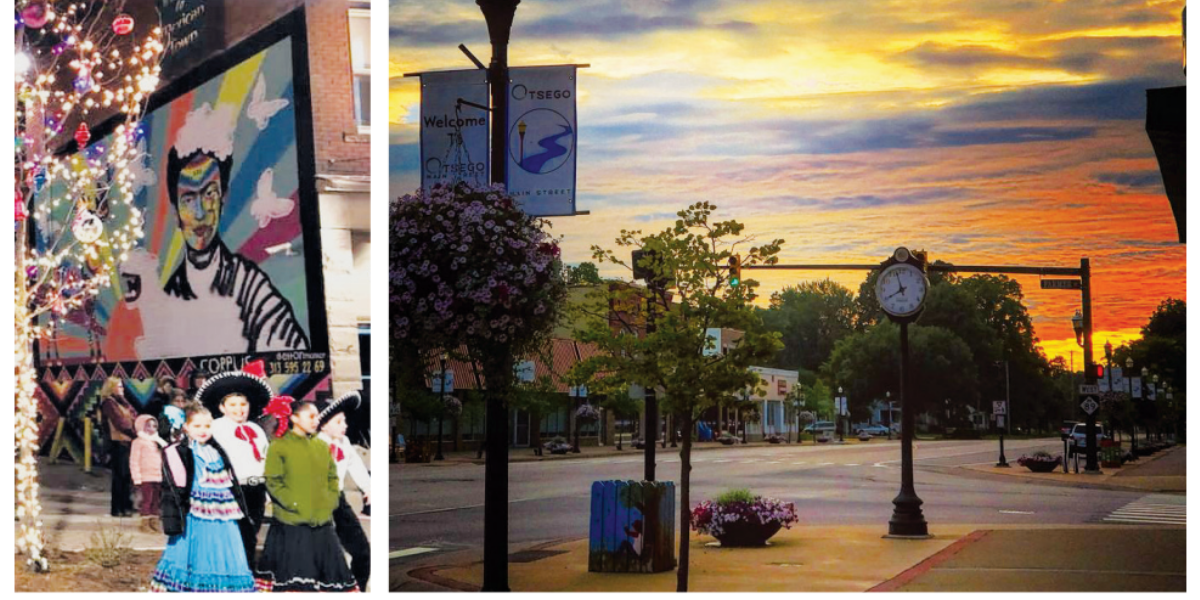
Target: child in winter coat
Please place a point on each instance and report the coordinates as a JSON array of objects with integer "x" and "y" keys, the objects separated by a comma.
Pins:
[
  {"x": 145, "y": 467},
  {"x": 204, "y": 513}
]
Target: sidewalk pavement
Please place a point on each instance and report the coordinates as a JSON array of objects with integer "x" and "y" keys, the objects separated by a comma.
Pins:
[
  {"x": 516, "y": 455},
  {"x": 859, "y": 558},
  {"x": 75, "y": 506},
  {"x": 1163, "y": 472}
]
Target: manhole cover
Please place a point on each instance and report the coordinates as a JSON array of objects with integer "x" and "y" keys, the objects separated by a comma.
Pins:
[{"x": 528, "y": 556}]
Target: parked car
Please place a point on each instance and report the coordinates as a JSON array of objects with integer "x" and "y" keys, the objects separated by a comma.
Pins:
[
  {"x": 1079, "y": 435},
  {"x": 1065, "y": 430},
  {"x": 872, "y": 430},
  {"x": 820, "y": 427}
]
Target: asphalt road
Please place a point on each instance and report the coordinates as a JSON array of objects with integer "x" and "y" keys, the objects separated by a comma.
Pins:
[{"x": 439, "y": 509}]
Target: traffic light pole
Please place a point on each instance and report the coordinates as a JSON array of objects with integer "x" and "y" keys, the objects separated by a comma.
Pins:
[{"x": 1092, "y": 467}]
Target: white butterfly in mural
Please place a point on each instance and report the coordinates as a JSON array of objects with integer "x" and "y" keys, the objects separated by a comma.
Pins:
[
  {"x": 267, "y": 205},
  {"x": 260, "y": 109},
  {"x": 140, "y": 174}
]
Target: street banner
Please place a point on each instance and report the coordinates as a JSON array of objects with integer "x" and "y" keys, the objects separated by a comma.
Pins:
[
  {"x": 1118, "y": 383},
  {"x": 437, "y": 383},
  {"x": 524, "y": 371},
  {"x": 999, "y": 407},
  {"x": 1151, "y": 392},
  {"x": 577, "y": 391},
  {"x": 454, "y": 137},
  {"x": 712, "y": 342},
  {"x": 540, "y": 163},
  {"x": 1137, "y": 387}
]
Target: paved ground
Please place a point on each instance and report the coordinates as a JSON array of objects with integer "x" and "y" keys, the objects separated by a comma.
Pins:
[{"x": 436, "y": 515}]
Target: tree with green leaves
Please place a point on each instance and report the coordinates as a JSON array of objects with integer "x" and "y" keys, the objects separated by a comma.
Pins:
[
  {"x": 539, "y": 398},
  {"x": 622, "y": 405},
  {"x": 811, "y": 317},
  {"x": 584, "y": 273},
  {"x": 690, "y": 293}
]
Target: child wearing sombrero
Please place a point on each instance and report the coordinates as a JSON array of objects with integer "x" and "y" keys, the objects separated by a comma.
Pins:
[
  {"x": 239, "y": 397},
  {"x": 350, "y": 532}
]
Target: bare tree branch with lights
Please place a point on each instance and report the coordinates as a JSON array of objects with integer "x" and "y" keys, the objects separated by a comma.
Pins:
[{"x": 78, "y": 65}]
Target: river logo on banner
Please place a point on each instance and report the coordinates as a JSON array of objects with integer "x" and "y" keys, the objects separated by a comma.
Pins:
[{"x": 541, "y": 141}]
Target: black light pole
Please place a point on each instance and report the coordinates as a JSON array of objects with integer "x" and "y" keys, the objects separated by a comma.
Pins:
[
  {"x": 1136, "y": 405},
  {"x": 1004, "y": 461},
  {"x": 498, "y": 14},
  {"x": 907, "y": 517},
  {"x": 889, "y": 403},
  {"x": 442, "y": 412},
  {"x": 1092, "y": 466},
  {"x": 841, "y": 408}
]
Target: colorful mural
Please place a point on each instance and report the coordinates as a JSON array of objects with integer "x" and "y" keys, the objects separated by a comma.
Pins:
[
  {"x": 223, "y": 272},
  {"x": 228, "y": 269}
]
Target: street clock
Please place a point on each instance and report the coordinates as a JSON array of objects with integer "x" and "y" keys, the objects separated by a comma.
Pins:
[{"x": 902, "y": 286}]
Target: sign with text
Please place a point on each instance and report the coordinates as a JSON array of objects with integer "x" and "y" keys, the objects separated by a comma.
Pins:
[
  {"x": 541, "y": 156},
  {"x": 1062, "y": 284},
  {"x": 524, "y": 371},
  {"x": 454, "y": 136},
  {"x": 1089, "y": 405},
  {"x": 195, "y": 30},
  {"x": 1088, "y": 389}
]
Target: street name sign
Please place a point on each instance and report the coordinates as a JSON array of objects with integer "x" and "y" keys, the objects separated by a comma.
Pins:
[
  {"x": 454, "y": 137},
  {"x": 1090, "y": 404},
  {"x": 1089, "y": 389},
  {"x": 540, "y": 159},
  {"x": 1062, "y": 284}
]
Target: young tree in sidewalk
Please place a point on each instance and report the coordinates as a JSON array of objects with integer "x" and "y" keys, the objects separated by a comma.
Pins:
[
  {"x": 690, "y": 261},
  {"x": 77, "y": 66}
]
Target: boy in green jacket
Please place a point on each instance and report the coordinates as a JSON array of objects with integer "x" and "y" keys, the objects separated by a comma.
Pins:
[{"x": 302, "y": 552}]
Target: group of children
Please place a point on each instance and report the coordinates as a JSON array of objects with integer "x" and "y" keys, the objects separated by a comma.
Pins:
[{"x": 217, "y": 478}]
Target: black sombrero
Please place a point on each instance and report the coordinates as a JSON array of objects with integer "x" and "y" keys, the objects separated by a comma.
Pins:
[
  {"x": 255, "y": 388},
  {"x": 330, "y": 409}
]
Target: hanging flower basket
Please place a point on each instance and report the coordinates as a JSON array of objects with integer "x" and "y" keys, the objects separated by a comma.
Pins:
[
  {"x": 587, "y": 412},
  {"x": 739, "y": 519}
]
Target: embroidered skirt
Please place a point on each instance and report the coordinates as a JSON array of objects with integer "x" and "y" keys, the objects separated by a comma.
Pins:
[{"x": 299, "y": 558}]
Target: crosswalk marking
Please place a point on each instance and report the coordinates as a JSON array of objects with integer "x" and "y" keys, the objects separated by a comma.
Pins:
[{"x": 1159, "y": 509}]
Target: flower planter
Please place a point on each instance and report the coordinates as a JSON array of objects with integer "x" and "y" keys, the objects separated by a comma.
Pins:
[
  {"x": 1041, "y": 466},
  {"x": 742, "y": 534}
]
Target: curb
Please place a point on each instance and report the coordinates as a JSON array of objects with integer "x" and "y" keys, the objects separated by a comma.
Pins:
[
  {"x": 894, "y": 584},
  {"x": 1107, "y": 484},
  {"x": 429, "y": 574}
]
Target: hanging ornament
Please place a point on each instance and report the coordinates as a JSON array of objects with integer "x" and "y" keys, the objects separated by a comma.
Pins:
[
  {"x": 59, "y": 48},
  {"x": 39, "y": 179},
  {"x": 31, "y": 271},
  {"x": 35, "y": 14},
  {"x": 82, "y": 135},
  {"x": 21, "y": 214},
  {"x": 87, "y": 227},
  {"x": 123, "y": 24}
]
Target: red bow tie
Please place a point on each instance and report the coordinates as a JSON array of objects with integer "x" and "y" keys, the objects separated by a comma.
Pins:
[
  {"x": 336, "y": 453},
  {"x": 248, "y": 435}
]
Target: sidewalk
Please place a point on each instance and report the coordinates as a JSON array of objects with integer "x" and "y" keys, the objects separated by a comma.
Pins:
[
  {"x": 1165, "y": 471},
  {"x": 520, "y": 455},
  {"x": 75, "y": 506},
  {"x": 858, "y": 558}
]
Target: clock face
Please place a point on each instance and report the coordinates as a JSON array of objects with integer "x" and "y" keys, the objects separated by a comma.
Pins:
[{"x": 901, "y": 289}]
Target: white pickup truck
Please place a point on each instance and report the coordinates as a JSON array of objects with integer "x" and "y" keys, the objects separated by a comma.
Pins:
[{"x": 1078, "y": 435}]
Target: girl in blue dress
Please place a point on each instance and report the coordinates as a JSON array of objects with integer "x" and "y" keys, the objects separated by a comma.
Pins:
[{"x": 204, "y": 513}]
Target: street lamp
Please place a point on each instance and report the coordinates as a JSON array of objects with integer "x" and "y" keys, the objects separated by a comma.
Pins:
[
  {"x": 888, "y": 395},
  {"x": 841, "y": 409},
  {"x": 1077, "y": 323},
  {"x": 498, "y": 14},
  {"x": 442, "y": 410},
  {"x": 1136, "y": 406}
]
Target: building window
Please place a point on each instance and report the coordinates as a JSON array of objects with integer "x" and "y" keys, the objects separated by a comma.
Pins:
[{"x": 360, "y": 65}]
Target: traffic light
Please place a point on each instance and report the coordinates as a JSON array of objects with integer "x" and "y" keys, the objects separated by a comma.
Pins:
[
  {"x": 735, "y": 270},
  {"x": 1099, "y": 371}
]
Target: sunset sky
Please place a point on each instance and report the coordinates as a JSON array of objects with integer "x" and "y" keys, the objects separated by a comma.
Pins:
[{"x": 984, "y": 131}]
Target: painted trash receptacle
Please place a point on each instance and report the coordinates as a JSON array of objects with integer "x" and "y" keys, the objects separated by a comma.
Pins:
[{"x": 632, "y": 527}]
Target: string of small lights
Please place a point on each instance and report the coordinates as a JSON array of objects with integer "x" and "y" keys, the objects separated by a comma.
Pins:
[{"x": 77, "y": 64}]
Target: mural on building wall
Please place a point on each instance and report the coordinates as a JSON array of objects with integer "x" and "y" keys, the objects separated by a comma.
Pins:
[{"x": 229, "y": 266}]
